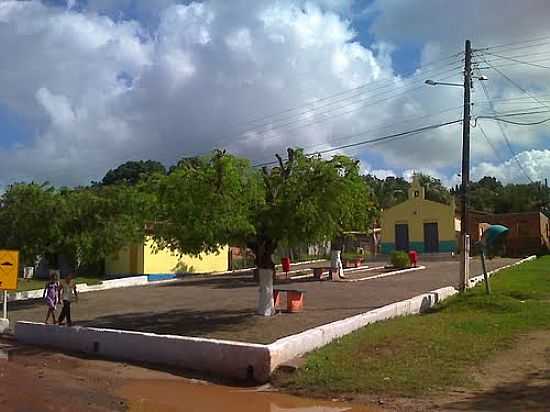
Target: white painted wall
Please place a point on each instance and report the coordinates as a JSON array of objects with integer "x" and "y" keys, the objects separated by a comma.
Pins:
[{"x": 210, "y": 356}]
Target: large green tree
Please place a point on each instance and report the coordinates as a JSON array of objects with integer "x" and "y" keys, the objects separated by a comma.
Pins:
[
  {"x": 221, "y": 199},
  {"x": 30, "y": 217},
  {"x": 85, "y": 223},
  {"x": 99, "y": 221},
  {"x": 132, "y": 172}
]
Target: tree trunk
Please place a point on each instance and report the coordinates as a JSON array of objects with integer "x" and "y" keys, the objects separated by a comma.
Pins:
[{"x": 266, "y": 272}]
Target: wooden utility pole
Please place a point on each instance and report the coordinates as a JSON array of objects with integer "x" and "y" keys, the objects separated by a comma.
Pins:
[{"x": 464, "y": 227}]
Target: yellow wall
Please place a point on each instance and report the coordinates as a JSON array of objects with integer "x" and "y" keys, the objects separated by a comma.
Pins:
[
  {"x": 141, "y": 259},
  {"x": 416, "y": 212},
  {"x": 121, "y": 262},
  {"x": 167, "y": 262}
]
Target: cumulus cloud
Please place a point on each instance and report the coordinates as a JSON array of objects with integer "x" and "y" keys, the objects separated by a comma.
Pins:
[
  {"x": 102, "y": 82},
  {"x": 535, "y": 165}
]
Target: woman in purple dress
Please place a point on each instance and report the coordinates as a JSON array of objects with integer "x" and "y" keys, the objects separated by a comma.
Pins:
[{"x": 51, "y": 296}]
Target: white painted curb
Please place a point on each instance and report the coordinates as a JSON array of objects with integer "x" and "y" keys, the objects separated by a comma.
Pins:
[
  {"x": 384, "y": 275},
  {"x": 234, "y": 360},
  {"x": 290, "y": 347}
]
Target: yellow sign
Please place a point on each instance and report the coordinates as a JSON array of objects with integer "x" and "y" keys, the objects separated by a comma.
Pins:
[{"x": 9, "y": 269}]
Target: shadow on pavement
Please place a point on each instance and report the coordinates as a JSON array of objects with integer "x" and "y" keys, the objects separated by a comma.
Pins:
[{"x": 175, "y": 322}]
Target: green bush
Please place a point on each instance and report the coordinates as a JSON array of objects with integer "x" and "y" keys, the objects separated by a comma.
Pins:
[
  {"x": 400, "y": 259},
  {"x": 352, "y": 255}
]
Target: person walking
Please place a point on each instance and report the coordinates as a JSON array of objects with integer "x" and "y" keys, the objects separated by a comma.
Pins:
[
  {"x": 51, "y": 297},
  {"x": 69, "y": 294}
]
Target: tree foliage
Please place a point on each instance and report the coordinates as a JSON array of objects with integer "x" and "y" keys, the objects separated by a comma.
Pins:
[
  {"x": 220, "y": 199},
  {"x": 86, "y": 223},
  {"x": 392, "y": 190},
  {"x": 490, "y": 195},
  {"x": 132, "y": 172}
]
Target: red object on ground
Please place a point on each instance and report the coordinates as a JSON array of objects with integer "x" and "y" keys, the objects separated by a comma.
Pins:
[
  {"x": 295, "y": 301},
  {"x": 413, "y": 257},
  {"x": 285, "y": 262}
]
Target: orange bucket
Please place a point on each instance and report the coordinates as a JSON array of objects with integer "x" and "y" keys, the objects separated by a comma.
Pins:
[{"x": 295, "y": 301}]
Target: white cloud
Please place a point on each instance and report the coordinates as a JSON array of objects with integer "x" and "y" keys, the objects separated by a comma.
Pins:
[
  {"x": 533, "y": 164},
  {"x": 99, "y": 89}
]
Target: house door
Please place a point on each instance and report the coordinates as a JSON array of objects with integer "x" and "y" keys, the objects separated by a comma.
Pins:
[
  {"x": 402, "y": 237},
  {"x": 431, "y": 238}
]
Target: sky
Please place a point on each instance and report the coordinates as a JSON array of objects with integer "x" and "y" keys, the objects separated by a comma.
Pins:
[{"x": 86, "y": 85}]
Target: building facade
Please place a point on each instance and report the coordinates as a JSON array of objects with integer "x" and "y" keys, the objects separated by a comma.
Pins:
[
  {"x": 420, "y": 225},
  {"x": 144, "y": 259},
  {"x": 529, "y": 232}
]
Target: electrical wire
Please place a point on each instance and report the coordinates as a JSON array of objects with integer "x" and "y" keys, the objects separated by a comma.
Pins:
[
  {"x": 520, "y": 61},
  {"x": 516, "y": 123},
  {"x": 495, "y": 151},
  {"x": 362, "y": 86},
  {"x": 376, "y": 140},
  {"x": 516, "y": 84},
  {"x": 505, "y": 136}
]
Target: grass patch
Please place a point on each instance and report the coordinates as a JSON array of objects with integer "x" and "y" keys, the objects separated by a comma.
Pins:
[
  {"x": 32, "y": 284},
  {"x": 414, "y": 355}
]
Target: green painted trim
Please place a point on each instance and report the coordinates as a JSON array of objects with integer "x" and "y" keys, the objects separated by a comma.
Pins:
[
  {"x": 447, "y": 246},
  {"x": 418, "y": 247},
  {"x": 387, "y": 248}
]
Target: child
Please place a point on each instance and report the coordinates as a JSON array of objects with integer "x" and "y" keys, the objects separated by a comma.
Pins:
[
  {"x": 51, "y": 296},
  {"x": 70, "y": 294}
]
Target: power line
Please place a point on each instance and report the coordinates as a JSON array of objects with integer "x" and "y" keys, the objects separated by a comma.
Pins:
[
  {"x": 516, "y": 123},
  {"x": 336, "y": 112},
  {"x": 520, "y": 61},
  {"x": 505, "y": 136},
  {"x": 389, "y": 82},
  {"x": 490, "y": 143},
  {"x": 356, "y": 99},
  {"x": 515, "y": 84},
  {"x": 517, "y": 43},
  {"x": 376, "y": 140}
]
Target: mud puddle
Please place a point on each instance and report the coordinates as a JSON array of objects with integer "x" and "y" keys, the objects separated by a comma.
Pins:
[{"x": 177, "y": 396}]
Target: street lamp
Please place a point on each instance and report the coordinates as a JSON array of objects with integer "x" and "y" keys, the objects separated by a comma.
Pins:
[{"x": 436, "y": 83}]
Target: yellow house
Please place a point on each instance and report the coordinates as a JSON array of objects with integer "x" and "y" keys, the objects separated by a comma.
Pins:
[
  {"x": 419, "y": 224},
  {"x": 142, "y": 259}
]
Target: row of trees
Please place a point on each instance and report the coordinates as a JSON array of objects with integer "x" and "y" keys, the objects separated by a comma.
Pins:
[{"x": 197, "y": 206}]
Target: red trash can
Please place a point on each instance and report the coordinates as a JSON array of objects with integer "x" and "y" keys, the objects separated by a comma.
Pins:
[
  {"x": 285, "y": 262},
  {"x": 412, "y": 257}
]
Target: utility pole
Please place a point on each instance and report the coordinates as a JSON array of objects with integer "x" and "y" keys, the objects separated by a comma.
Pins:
[{"x": 464, "y": 221}]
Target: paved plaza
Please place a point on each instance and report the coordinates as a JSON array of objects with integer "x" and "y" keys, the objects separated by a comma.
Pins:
[{"x": 223, "y": 306}]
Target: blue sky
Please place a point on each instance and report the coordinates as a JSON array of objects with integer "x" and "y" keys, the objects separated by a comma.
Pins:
[{"x": 94, "y": 83}]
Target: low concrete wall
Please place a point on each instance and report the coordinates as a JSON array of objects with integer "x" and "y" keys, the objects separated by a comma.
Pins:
[
  {"x": 233, "y": 360},
  {"x": 290, "y": 347}
]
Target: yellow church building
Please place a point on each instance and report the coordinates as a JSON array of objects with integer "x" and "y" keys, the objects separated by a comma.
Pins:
[
  {"x": 144, "y": 259},
  {"x": 419, "y": 224}
]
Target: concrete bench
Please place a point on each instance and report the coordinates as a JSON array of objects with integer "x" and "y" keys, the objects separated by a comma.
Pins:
[
  {"x": 294, "y": 299},
  {"x": 318, "y": 272}
]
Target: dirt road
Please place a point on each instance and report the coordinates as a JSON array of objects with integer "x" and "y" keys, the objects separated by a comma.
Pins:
[{"x": 37, "y": 380}]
